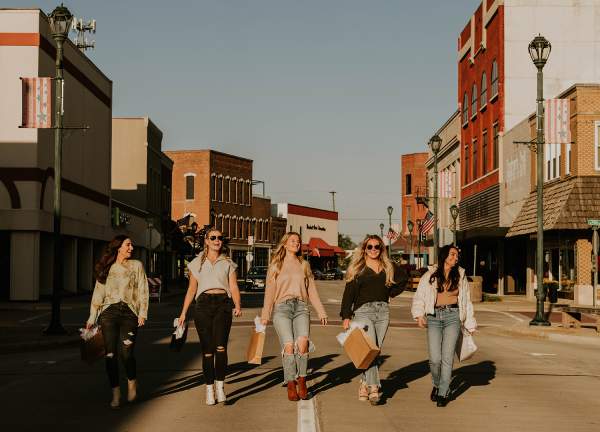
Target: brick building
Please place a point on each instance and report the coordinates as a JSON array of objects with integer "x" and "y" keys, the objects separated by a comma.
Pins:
[
  {"x": 216, "y": 188},
  {"x": 497, "y": 90},
  {"x": 569, "y": 200}
]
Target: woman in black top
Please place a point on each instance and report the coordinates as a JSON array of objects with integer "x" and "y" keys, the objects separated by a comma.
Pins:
[{"x": 371, "y": 280}]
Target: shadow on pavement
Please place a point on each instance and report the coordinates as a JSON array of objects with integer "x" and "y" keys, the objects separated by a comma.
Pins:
[
  {"x": 479, "y": 374},
  {"x": 400, "y": 378},
  {"x": 341, "y": 375}
]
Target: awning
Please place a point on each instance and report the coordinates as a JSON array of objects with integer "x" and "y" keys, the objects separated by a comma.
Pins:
[
  {"x": 568, "y": 204},
  {"x": 317, "y": 247}
]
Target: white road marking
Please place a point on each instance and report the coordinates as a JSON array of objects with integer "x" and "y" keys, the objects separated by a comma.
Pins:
[
  {"x": 307, "y": 418},
  {"x": 34, "y": 317},
  {"x": 508, "y": 314},
  {"x": 333, "y": 301},
  {"x": 542, "y": 354}
]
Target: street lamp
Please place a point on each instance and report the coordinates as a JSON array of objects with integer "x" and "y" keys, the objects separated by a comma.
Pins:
[
  {"x": 454, "y": 214},
  {"x": 419, "y": 230},
  {"x": 435, "y": 143},
  {"x": 390, "y": 210},
  {"x": 539, "y": 50},
  {"x": 381, "y": 225},
  {"x": 410, "y": 225},
  {"x": 60, "y": 24}
]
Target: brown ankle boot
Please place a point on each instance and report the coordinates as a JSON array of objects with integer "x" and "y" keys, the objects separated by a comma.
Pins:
[
  {"x": 292, "y": 393},
  {"x": 302, "y": 390}
]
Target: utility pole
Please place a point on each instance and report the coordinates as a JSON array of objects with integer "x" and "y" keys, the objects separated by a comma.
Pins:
[{"x": 333, "y": 198}]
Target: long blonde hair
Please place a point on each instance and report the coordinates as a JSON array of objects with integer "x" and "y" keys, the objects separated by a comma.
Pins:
[
  {"x": 358, "y": 262},
  {"x": 279, "y": 255}
]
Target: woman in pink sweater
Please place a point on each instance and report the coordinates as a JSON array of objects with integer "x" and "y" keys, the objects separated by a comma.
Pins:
[{"x": 290, "y": 285}]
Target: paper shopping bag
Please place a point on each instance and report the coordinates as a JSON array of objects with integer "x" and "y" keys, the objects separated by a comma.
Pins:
[
  {"x": 178, "y": 337},
  {"x": 360, "y": 348},
  {"x": 465, "y": 346},
  {"x": 91, "y": 345},
  {"x": 255, "y": 348}
]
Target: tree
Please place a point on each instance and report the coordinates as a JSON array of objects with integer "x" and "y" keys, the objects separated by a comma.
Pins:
[{"x": 345, "y": 242}]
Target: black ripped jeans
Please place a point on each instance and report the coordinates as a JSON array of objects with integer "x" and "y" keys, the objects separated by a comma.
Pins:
[
  {"x": 119, "y": 327},
  {"x": 213, "y": 322}
]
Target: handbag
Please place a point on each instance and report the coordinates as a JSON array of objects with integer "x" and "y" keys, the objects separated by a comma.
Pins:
[
  {"x": 465, "y": 346},
  {"x": 91, "y": 345}
]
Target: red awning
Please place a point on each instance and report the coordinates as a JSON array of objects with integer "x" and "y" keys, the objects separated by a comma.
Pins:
[{"x": 317, "y": 247}]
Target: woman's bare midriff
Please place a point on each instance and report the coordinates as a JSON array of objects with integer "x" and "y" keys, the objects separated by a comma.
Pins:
[{"x": 215, "y": 291}]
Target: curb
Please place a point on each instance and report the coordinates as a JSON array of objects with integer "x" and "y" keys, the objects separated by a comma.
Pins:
[{"x": 552, "y": 334}]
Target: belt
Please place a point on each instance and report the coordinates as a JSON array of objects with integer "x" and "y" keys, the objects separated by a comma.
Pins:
[{"x": 449, "y": 306}]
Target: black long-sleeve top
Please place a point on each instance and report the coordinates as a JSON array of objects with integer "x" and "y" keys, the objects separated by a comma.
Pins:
[{"x": 369, "y": 286}]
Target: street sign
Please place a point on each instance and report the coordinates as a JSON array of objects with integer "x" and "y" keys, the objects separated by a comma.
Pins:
[{"x": 594, "y": 222}]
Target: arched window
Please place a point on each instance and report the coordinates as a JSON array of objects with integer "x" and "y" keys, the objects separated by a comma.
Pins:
[
  {"x": 465, "y": 109},
  {"x": 242, "y": 199},
  {"x": 234, "y": 190},
  {"x": 474, "y": 100},
  {"x": 249, "y": 196},
  {"x": 483, "y": 90},
  {"x": 213, "y": 186},
  {"x": 227, "y": 189},
  {"x": 494, "y": 78}
]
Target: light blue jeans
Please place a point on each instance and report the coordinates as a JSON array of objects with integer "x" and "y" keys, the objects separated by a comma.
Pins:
[
  {"x": 376, "y": 316},
  {"x": 443, "y": 330},
  {"x": 291, "y": 320}
]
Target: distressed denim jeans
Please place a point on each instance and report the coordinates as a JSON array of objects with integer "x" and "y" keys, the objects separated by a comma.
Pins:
[
  {"x": 291, "y": 319},
  {"x": 443, "y": 330},
  {"x": 376, "y": 316}
]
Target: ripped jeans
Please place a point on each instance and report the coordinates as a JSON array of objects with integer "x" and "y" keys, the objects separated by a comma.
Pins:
[
  {"x": 291, "y": 319},
  {"x": 119, "y": 327}
]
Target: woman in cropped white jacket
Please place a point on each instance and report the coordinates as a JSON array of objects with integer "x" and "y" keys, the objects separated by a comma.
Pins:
[{"x": 442, "y": 303}]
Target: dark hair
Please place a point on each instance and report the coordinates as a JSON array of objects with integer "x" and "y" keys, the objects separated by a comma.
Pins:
[
  {"x": 108, "y": 258},
  {"x": 438, "y": 274}
]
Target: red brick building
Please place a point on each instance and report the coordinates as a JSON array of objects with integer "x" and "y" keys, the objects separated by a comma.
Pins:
[
  {"x": 216, "y": 188},
  {"x": 414, "y": 184}
]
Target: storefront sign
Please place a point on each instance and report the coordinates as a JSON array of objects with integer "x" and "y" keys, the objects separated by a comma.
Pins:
[{"x": 315, "y": 227}]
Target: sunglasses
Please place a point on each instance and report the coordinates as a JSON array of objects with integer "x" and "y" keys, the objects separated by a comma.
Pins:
[
  {"x": 213, "y": 238},
  {"x": 376, "y": 247}
]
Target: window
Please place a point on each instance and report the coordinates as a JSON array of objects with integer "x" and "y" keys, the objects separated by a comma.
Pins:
[
  {"x": 234, "y": 189},
  {"x": 408, "y": 184},
  {"x": 474, "y": 100},
  {"x": 552, "y": 157},
  {"x": 249, "y": 202},
  {"x": 484, "y": 153},
  {"x": 465, "y": 109},
  {"x": 213, "y": 187},
  {"x": 475, "y": 167},
  {"x": 495, "y": 145},
  {"x": 242, "y": 192},
  {"x": 189, "y": 186},
  {"x": 596, "y": 145},
  {"x": 227, "y": 189},
  {"x": 466, "y": 164},
  {"x": 494, "y": 78},
  {"x": 483, "y": 90},
  {"x": 568, "y": 159}
]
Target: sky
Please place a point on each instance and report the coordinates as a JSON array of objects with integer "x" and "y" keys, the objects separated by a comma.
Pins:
[{"x": 323, "y": 95}]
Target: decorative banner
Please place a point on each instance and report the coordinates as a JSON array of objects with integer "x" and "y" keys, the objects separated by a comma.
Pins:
[
  {"x": 557, "y": 129},
  {"x": 37, "y": 102},
  {"x": 427, "y": 223}
]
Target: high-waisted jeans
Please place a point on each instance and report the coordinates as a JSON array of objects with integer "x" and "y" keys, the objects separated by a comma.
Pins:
[
  {"x": 443, "y": 329},
  {"x": 119, "y": 327},
  {"x": 291, "y": 320},
  {"x": 376, "y": 316},
  {"x": 213, "y": 322}
]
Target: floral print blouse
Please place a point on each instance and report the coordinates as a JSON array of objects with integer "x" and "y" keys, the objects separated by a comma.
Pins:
[{"x": 126, "y": 283}]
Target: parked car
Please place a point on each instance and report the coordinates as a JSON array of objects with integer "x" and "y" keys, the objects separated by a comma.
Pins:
[
  {"x": 318, "y": 274},
  {"x": 256, "y": 277},
  {"x": 334, "y": 274}
]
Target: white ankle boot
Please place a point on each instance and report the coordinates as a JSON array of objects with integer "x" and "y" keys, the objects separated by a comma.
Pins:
[
  {"x": 221, "y": 397},
  {"x": 131, "y": 390},
  {"x": 210, "y": 394},
  {"x": 116, "y": 397}
]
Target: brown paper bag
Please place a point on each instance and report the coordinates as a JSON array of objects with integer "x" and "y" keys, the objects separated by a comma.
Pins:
[
  {"x": 255, "y": 349},
  {"x": 360, "y": 348}
]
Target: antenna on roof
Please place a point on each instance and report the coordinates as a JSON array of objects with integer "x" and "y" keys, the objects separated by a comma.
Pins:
[{"x": 81, "y": 28}]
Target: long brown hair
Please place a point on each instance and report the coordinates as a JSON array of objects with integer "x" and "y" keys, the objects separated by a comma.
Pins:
[
  {"x": 279, "y": 255},
  {"x": 108, "y": 258},
  {"x": 438, "y": 275},
  {"x": 358, "y": 262}
]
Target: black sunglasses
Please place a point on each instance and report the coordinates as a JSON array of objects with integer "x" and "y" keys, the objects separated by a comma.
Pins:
[
  {"x": 213, "y": 238},
  {"x": 376, "y": 247}
]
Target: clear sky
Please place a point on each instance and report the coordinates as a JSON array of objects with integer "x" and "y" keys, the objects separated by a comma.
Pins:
[{"x": 322, "y": 94}]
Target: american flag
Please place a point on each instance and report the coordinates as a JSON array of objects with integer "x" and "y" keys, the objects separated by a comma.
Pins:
[
  {"x": 557, "y": 129},
  {"x": 392, "y": 235},
  {"x": 427, "y": 223},
  {"x": 37, "y": 102}
]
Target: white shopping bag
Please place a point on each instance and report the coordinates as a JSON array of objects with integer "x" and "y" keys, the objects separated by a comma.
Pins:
[{"x": 465, "y": 346}]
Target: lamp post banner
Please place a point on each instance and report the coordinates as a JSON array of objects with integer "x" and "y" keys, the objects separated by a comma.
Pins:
[
  {"x": 557, "y": 129},
  {"x": 37, "y": 103}
]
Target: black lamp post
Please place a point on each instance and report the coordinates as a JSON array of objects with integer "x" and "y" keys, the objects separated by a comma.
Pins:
[
  {"x": 60, "y": 24},
  {"x": 419, "y": 229},
  {"x": 390, "y": 210},
  {"x": 410, "y": 225},
  {"x": 539, "y": 50},
  {"x": 454, "y": 214},
  {"x": 381, "y": 226},
  {"x": 435, "y": 143}
]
